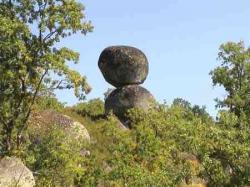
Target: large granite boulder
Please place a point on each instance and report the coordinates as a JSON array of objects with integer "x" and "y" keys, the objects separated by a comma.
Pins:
[
  {"x": 14, "y": 173},
  {"x": 127, "y": 97},
  {"x": 123, "y": 65},
  {"x": 42, "y": 121}
]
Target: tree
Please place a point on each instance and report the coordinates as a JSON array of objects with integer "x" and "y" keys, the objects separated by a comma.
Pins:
[
  {"x": 234, "y": 75},
  {"x": 182, "y": 103},
  {"x": 30, "y": 60},
  {"x": 93, "y": 109},
  {"x": 191, "y": 111}
]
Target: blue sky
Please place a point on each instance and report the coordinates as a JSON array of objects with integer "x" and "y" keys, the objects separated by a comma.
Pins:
[{"x": 179, "y": 37}]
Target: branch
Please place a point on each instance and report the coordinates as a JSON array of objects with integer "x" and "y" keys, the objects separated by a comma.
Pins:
[
  {"x": 23, "y": 90},
  {"x": 41, "y": 14},
  {"x": 35, "y": 94},
  {"x": 3, "y": 122},
  {"x": 30, "y": 107},
  {"x": 32, "y": 102},
  {"x": 58, "y": 86},
  {"x": 50, "y": 35}
]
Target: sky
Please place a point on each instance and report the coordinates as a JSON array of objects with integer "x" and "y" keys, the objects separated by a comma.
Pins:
[{"x": 180, "y": 38}]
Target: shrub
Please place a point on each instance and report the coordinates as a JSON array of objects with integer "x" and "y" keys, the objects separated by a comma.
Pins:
[
  {"x": 167, "y": 146},
  {"x": 50, "y": 102},
  {"x": 93, "y": 108},
  {"x": 56, "y": 159}
]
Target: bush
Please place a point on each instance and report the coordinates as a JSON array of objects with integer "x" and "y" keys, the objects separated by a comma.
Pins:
[
  {"x": 93, "y": 109},
  {"x": 222, "y": 149},
  {"x": 56, "y": 159},
  {"x": 167, "y": 146},
  {"x": 165, "y": 149},
  {"x": 49, "y": 102}
]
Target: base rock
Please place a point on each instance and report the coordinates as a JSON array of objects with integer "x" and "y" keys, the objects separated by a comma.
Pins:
[{"x": 128, "y": 97}]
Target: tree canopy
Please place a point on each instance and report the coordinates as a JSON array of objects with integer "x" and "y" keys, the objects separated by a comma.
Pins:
[
  {"x": 31, "y": 62},
  {"x": 234, "y": 76}
]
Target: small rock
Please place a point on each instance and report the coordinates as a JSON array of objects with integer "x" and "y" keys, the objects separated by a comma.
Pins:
[
  {"x": 123, "y": 65},
  {"x": 85, "y": 153},
  {"x": 14, "y": 173},
  {"x": 78, "y": 131}
]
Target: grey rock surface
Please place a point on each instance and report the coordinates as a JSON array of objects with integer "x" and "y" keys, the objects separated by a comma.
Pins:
[
  {"x": 127, "y": 97},
  {"x": 14, "y": 173},
  {"x": 123, "y": 65},
  {"x": 43, "y": 120}
]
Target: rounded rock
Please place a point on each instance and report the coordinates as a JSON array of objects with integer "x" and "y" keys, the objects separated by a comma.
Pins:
[
  {"x": 14, "y": 173},
  {"x": 47, "y": 119},
  {"x": 127, "y": 97},
  {"x": 123, "y": 65}
]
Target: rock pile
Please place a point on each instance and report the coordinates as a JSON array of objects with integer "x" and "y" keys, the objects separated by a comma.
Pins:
[{"x": 125, "y": 68}]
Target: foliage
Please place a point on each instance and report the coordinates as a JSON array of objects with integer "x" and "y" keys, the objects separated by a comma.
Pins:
[
  {"x": 234, "y": 75},
  {"x": 166, "y": 147},
  {"x": 162, "y": 137},
  {"x": 176, "y": 145},
  {"x": 30, "y": 60},
  {"x": 55, "y": 159},
  {"x": 49, "y": 103},
  {"x": 140, "y": 157},
  {"x": 93, "y": 108},
  {"x": 194, "y": 111}
]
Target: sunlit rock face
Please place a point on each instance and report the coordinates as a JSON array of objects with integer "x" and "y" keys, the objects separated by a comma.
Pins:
[
  {"x": 123, "y": 65},
  {"x": 43, "y": 121},
  {"x": 128, "y": 97},
  {"x": 14, "y": 173}
]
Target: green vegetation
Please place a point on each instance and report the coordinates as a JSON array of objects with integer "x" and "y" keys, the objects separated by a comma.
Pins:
[
  {"x": 234, "y": 76},
  {"x": 170, "y": 145},
  {"x": 31, "y": 63},
  {"x": 51, "y": 158},
  {"x": 93, "y": 109}
]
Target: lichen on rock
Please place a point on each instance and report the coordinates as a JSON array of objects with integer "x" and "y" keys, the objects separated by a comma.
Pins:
[
  {"x": 14, "y": 173},
  {"x": 125, "y": 68},
  {"x": 44, "y": 120},
  {"x": 123, "y": 65},
  {"x": 122, "y": 99}
]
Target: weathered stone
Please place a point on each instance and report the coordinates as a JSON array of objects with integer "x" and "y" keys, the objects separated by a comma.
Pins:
[
  {"x": 193, "y": 180},
  {"x": 14, "y": 173},
  {"x": 127, "y": 97},
  {"x": 44, "y": 120},
  {"x": 123, "y": 65}
]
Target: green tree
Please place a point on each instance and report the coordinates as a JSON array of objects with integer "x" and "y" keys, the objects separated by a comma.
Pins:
[
  {"x": 182, "y": 103},
  {"x": 94, "y": 109},
  {"x": 191, "y": 111},
  {"x": 234, "y": 75},
  {"x": 30, "y": 60}
]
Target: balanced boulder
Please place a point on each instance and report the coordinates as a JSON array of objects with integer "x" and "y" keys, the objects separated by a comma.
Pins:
[
  {"x": 123, "y": 65},
  {"x": 127, "y": 97}
]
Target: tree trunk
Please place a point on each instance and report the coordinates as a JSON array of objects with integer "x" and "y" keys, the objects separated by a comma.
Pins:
[{"x": 8, "y": 139}]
